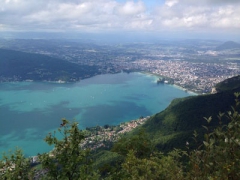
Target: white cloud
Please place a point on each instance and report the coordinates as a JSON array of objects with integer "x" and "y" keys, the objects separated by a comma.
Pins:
[
  {"x": 227, "y": 17},
  {"x": 197, "y": 18},
  {"x": 209, "y": 2},
  {"x": 111, "y": 15},
  {"x": 1, "y": 26},
  {"x": 131, "y": 8},
  {"x": 171, "y": 3}
]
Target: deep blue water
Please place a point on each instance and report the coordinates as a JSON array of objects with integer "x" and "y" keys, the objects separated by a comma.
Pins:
[{"x": 30, "y": 110}]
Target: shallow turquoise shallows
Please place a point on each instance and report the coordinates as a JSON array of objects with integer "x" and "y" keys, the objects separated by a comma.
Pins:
[{"x": 30, "y": 110}]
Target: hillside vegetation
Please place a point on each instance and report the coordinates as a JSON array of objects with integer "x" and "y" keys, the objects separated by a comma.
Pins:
[
  {"x": 229, "y": 84},
  {"x": 20, "y": 66},
  {"x": 176, "y": 124}
]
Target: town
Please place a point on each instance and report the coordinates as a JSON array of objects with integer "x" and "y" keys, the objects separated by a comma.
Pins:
[
  {"x": 196, "y": 66},
  {"x": 196, "y": 77},
  {"x": 103, "y": 137}
]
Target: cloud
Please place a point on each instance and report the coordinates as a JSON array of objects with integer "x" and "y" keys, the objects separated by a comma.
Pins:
[
  {"x": 210, "y": 2},
  {"x": 1, "y": 26},
  {"x": 131, "y": 8},
  {"x": 112, "y": 15},
  {"x": 171, "y": 3},
  {"x": 197, "y": 18}
]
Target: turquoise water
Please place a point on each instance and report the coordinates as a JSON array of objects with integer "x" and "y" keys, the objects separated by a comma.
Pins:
[{"x": 30, "y": 110}]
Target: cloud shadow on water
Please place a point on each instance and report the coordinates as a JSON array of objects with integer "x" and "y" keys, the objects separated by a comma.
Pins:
[
  {"x": 112, "y": 114},
  {"x": 41, "y": 120}
]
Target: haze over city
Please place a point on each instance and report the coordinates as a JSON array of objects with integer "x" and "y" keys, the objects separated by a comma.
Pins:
[{"x": 209, "y": 19}]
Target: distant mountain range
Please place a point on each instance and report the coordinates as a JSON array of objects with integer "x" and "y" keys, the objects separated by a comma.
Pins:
[
  {"x": 21, "y": 66},
  {"x": 228, "y": 45}
]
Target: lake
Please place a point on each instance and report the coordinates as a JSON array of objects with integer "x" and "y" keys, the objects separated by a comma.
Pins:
[{"x": 30, "y": 110}]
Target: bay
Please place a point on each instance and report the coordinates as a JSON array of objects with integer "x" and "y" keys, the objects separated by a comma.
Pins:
[{"x": 30, "y": 110}]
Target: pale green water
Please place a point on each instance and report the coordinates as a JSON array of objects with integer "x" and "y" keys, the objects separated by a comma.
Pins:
[{"x": 30, "y": 110}]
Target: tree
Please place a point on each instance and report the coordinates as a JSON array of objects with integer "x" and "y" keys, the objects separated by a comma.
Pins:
[
  {"x": 139, "y": 143},
  {"x": 14, "y": 166},
  {"x": 219, "y": 155},
  {"x": 155, "y": 167},
  {"x": 67, "y": 160}
]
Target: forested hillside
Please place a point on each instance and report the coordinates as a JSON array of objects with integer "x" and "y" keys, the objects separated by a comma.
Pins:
[
  {"x": 175, "y": 125},
  {"x": 179, "y": 123},
  {"x": 20, "y": 66},
  {"x": 229, "y": 84}
]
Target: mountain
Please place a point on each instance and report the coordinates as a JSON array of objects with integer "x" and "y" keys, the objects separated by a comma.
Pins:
[
  {"x": 173, "y": 128},
  {"x": 228, "y": 45},
  {"x": 175, "y": 125},
  {"x": 229, "y": 84},
  {"x": 20, "y": 66}
]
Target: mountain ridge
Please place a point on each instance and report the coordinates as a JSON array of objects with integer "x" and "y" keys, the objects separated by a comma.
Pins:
[
  {"x": 182, "y": 126},
  {"x": 21, "y": 66},
  {"x": 228, "y": 45},
  {"x": 174, "y": 126}
]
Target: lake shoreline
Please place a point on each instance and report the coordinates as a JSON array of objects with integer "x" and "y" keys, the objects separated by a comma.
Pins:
[
  {"x": 143, "y": 72},
  {"x": 175, "y": 85},
  {"x": 32, "y": 109}
]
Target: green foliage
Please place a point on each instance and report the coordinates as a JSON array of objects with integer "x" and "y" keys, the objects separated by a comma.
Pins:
[
  {"x": 107, "y": 162},
  {"x": 67, "y": 160},
  {"x": 156, "y": 167},
  {"x": 228, "y": 84},
  {"x": 220, "y": 156},
  {"x": 14, "y": 166},
  {"x": 217, "y": 157},
  {"x": 174, "y": 126},
  {"x": 139, "y": 143}
]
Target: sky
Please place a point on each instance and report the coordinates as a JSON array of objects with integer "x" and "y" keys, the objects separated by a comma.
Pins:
[{"x": 166, "y": 18}]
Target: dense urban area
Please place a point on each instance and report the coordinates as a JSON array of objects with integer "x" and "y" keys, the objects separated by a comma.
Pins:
[{"x": 193, "y": 65}]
